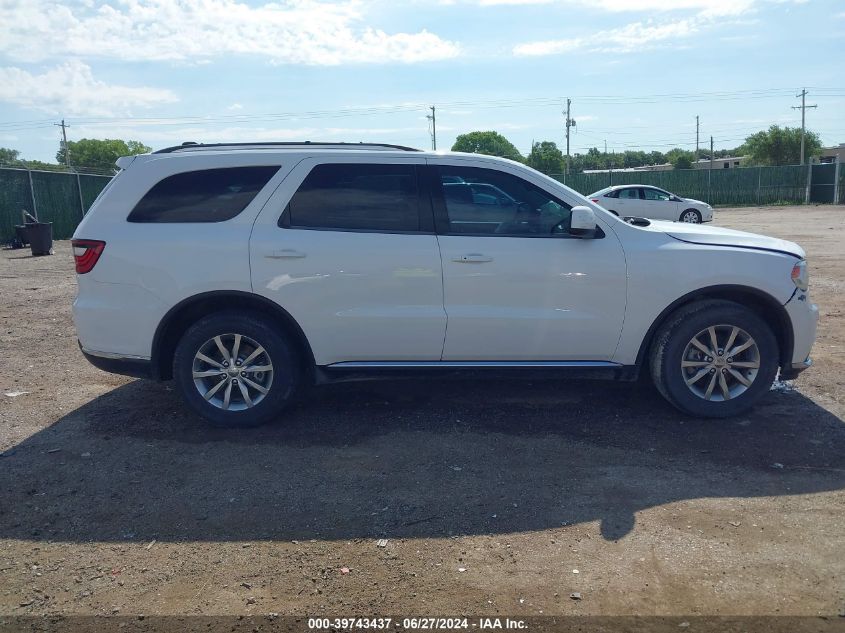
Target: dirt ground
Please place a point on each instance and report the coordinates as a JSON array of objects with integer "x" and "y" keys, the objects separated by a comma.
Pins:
[{"x": 494, "y": 498}]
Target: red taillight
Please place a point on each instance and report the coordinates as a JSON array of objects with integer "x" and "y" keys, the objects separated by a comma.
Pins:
[
  {"x": 596, "y": 200},
  {"x": 86, "y": 253}
]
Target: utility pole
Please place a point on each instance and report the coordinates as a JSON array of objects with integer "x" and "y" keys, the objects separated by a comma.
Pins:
[
  {"x": 569, "y": 124},
  {"x": 696, "y": 137},
  {"x": 711, "y": 152},
  {"x": 803, "y": 108},
  {"x": 64, "y": 141},
  {"x": 432, "y": 117}
]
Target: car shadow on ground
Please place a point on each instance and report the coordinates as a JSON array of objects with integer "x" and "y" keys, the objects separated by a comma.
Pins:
[{"x": 403, "y": 459}]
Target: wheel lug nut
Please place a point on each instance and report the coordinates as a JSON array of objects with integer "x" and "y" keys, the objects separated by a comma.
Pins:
[
  {"x": 713, "y": 371},
  {"x": 730, "y": 360}
]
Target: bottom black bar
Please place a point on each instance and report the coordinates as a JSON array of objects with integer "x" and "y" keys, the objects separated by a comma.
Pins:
[{"x": 303, "y": 624}]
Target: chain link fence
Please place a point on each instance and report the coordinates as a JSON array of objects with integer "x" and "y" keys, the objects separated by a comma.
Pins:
[{"x": 58, "y": 197}]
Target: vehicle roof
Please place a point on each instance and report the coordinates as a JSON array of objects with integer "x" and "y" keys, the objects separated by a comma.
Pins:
[
  {"x": 382, "y": 150},
  {"x": 612, "y": 187}
]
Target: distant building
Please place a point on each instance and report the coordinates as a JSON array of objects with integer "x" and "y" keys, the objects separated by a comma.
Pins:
[
  {"x": 728, "y": 162},
  {"x": 833, "y": 154}
]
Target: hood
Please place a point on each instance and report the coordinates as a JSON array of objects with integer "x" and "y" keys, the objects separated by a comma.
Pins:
[
  {"x": 694, "y": 201},
  {"x": 718, "y": 236}
]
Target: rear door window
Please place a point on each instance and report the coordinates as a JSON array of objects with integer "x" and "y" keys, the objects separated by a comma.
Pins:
[
  {"x": 631, "y": 193},
  {"x": 208, "y": 195},
  {"x": 356, "y": 197}
]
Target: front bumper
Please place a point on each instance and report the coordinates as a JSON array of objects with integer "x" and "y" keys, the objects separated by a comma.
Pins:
[
  {"x": 792, "y": 372},
  {"x": 804, "y": 317}
]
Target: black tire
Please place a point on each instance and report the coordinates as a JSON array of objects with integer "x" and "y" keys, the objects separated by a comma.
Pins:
[
  {"x": 686, "y": 211},
  {"x": 282, "y": 384},
  {"x": 671, "y": 344}
]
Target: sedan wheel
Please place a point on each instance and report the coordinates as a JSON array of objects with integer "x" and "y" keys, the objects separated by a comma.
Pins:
[{"x": 691, "y": 216}]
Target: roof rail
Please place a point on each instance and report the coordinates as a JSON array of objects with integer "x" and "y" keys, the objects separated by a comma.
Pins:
[{"x": 190, "y": 145}]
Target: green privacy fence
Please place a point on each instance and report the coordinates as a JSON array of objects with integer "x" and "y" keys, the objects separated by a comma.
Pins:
[
  {"x": 58, "y": 197},
  {"x": 63, "y": 198},
  {"x": 719, "y": 187}
]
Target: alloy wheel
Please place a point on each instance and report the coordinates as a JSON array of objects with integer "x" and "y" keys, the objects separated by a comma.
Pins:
[
  {"x": 720, "y": 363},
  {"x": 691, "y": 217},
  {"x": 232, "y": 372}
]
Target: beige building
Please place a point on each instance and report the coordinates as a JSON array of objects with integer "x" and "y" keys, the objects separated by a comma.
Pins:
[
  {"x": 833, "y": 154},
  {"x": 728, "y": 162}
]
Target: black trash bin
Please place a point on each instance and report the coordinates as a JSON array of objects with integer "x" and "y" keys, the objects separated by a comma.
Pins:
[
  {"x": 40, "y": 237},
  {"x": 22, "y": 233}
]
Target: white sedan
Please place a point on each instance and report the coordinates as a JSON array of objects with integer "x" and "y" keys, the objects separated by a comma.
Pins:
[{"x": 650, "y": 202}]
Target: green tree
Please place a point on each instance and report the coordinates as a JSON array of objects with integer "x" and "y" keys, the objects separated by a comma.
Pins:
[
  {"x": 99, "y": 153},
  {"x": 781, "y": 146},
  {"x": 490, "y": 143},
  {"x": 680, "y": 158},
  {"x": 9, "y": 156},
  {"x": 546, "y": 157}
]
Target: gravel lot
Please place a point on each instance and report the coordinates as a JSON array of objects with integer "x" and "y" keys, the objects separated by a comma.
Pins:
[{"x": 495, "y": 498}]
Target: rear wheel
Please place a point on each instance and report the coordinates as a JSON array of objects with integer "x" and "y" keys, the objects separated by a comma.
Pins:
[
  {"x": 235, "y": 369},
  {"x": 691, "y": 216},
  {"x": 714, "y": 359}
]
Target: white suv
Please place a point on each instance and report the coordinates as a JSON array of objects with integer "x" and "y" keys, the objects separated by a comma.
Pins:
[{"x": 245, "y": 272}]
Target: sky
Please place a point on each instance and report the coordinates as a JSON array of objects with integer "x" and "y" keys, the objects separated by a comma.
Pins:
[{"x": 637, "y": 71}]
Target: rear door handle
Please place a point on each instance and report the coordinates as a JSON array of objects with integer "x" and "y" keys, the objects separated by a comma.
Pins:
[
  {"x": 472, "y": 258},
  {"x": 285, "y": 253}
]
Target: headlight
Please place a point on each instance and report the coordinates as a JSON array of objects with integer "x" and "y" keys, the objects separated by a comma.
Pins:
[{"x": 800, "y": 276}]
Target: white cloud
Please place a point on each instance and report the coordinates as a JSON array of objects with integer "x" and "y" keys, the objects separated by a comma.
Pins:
[
  {"x": 71, "y": 89},
  {"x": 293, "y": 32},
  {"x": 635, "y": 36},
  {"x": 709, "y": 7}
]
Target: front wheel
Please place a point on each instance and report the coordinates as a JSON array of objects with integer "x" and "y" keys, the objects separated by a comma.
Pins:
[
  {"x": 235, "y": 369},
  {"x": 691, "y": 216},
  {"x": 714, "y": 359}
]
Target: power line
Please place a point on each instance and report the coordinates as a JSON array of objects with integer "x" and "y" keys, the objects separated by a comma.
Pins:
[{"x": 768, "y": 93}]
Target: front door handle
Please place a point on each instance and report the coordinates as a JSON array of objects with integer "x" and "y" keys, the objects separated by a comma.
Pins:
[
  {"x": 472, "y": 258},
  {"x": 285, "y": 253}
]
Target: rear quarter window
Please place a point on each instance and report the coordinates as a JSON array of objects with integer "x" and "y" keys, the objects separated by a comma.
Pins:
[{"x": 208, "y": 195}]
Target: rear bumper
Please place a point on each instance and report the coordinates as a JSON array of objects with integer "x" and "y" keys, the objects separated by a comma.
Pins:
[{"x": 123, "y": 365}]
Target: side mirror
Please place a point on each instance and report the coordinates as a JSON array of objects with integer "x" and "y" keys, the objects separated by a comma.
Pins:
[{"x": 582, "y": 222}]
